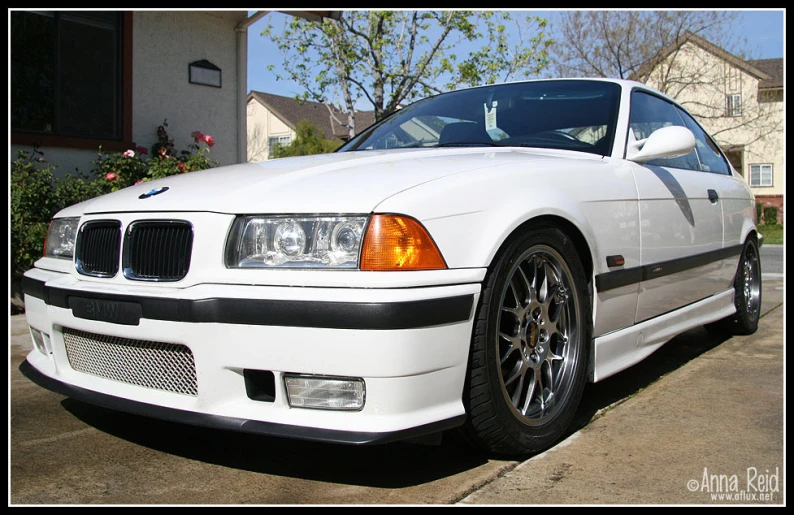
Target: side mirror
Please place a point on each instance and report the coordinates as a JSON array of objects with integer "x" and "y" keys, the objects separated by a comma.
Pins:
[{"x": 665, "y": 142}]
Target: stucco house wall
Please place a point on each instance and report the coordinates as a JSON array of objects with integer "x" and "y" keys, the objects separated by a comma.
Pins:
[{"x": 164, "y": 44}]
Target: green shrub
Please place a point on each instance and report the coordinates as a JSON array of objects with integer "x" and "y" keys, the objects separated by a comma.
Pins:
[
  {"x": 37, "y": 195},
  {"x": 33, "y": 202},
  {"x": 309, "y": 140},
  {"x": 758, "y": 211},
  {"x": 770, "y": 215}
]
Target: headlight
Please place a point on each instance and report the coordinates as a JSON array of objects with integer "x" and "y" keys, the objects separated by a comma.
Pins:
[
  {"x": 61, "y": 237},
  {"x": 287, "y": 241}
]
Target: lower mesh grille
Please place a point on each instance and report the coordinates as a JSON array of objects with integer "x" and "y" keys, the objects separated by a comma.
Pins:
[{"x": 160, "y": 366}]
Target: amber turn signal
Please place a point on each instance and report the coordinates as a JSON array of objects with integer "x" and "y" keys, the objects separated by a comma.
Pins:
[{"x": 398, "y": 242}]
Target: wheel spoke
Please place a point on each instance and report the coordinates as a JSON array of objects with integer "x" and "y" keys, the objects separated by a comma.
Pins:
[
  {"x": 515, "y": 294},
  {"x": 530, "y": 394},
  {"x": 515, "y": 344},
  {"x": 543, "y": 291},
  {"x": 514, "y": 340},
  {"x": 539, "y": 388},
  {"x": 547, "y": 375},
  {"x": 516, "y": 397},
  {"x": 518, "y": 372},
  {"x": 516, "y": 312},
  {"x": 527, "y": 285}
]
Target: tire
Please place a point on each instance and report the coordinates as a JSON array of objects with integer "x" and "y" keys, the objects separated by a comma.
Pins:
[
  {"x": 530, "y": 344},
  {"x": 747, "y": 298}
]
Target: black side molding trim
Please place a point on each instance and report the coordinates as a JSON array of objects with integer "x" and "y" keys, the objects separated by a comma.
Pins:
[
  {"x": 616, "y": 279},
  {"x": 230, "y": 423},
  {"x": 289, "y": 313}
]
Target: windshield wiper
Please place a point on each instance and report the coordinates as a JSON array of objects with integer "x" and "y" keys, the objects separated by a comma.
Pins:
[{"x": 470, "y": 143}]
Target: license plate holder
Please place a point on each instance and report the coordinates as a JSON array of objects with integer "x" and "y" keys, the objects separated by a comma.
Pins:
[{"x": 111, "y": 311}]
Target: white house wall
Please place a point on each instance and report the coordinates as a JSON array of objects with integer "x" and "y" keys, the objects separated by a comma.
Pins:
[
  {"x": 164, "y": 43},
  {"x": 262, "y": 125}
]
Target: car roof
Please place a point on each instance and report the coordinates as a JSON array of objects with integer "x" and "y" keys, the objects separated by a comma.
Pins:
[{"x": 626, "y": 84}]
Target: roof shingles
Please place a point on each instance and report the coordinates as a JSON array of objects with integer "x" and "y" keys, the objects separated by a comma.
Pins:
[{"x": 772, "y": 67}]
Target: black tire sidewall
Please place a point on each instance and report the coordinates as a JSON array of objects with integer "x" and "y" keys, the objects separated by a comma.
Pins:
[{"x": 744, "y": 323}]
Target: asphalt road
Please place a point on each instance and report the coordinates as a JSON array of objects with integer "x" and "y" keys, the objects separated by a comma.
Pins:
[
  {"x": 772, "y": 262},
  {"x": 630, "y": 443}
]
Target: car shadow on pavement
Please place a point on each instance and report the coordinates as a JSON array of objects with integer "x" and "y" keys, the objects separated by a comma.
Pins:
[
  {"x": 395, "y": 465},
  {"x": 623, "y": 385}
]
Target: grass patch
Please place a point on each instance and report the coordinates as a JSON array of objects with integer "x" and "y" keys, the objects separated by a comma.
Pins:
[{"x": 773, "y": 234}]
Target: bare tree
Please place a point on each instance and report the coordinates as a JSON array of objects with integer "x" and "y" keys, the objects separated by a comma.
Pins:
[
  {"x": 694, "y": 57},
  {"x": 621, "y": 44}
]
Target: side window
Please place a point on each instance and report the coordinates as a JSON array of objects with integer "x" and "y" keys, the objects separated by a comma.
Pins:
[
  {"x": 649, "y": 113},
  {"x": 711, "y": 159}
]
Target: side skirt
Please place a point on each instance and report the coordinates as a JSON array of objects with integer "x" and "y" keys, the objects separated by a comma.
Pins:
[{"x": 621, "y": 349}]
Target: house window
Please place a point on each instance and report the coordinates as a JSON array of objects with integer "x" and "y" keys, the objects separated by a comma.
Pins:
[
  {"x": 760, "y": 175},
  {"x": 281, "y": 141},
  {"x": 733, "y": 105},
  {"x": 67, "y": 78}
]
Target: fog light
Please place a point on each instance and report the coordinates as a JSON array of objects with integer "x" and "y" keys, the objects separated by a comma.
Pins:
[
  {"x": 331, "y": 393},
  {"x": 38, "y": 340}
]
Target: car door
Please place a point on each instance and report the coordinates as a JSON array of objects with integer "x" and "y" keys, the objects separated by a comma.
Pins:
[
  {"x": 736, "y": 203},
  {"x": 681, "y": 226}
]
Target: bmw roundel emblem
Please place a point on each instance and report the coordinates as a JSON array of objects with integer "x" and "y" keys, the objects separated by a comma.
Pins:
[{"x": 154, "y": 191}]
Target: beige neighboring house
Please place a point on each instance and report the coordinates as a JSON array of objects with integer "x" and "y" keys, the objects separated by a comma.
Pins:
[
  {"x": 272, "y": 120},
  {"x": 740, "y": 102}
]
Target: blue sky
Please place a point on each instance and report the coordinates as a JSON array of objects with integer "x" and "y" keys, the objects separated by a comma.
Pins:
[{"x": 764, "y": 30}]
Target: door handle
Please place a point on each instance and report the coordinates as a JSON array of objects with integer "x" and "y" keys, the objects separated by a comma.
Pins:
[{"x": 713, "y": 197}]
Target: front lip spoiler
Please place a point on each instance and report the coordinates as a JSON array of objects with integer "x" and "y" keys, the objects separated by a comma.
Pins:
[{"x": 231, "y": 423}]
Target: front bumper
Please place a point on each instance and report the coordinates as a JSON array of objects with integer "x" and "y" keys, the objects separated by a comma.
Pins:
[{"x": 409, "y": 345}]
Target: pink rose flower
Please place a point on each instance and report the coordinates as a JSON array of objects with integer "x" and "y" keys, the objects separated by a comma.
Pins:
[
  {"x": 142, "y": 150},
  {"x": 197, "y": 136},
  {"x": 111, "y": 176},
  {"x": 129, "y": 153},
  {"x": 180, "y": 165},
  {"x": 139, "y": 181},
  {"x": 209, "y": 140}
]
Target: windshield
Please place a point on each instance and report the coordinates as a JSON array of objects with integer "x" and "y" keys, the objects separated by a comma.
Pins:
[{"x": 561, "y": 114}]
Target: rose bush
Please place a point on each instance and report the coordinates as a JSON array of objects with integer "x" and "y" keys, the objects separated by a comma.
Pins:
[{"x": 116, "y": 171}]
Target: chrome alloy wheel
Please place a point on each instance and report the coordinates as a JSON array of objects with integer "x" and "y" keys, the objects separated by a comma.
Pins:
[
  {"x": 538, "y": 336},
  {"x": 751, "y": 282}
]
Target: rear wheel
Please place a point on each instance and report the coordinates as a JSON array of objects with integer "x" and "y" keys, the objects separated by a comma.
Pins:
[
  {"x": 747, "y": 298},
  {"x": 529, "y": 350}
]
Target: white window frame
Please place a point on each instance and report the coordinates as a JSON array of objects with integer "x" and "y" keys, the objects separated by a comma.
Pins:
[
  {"x": 757, "y": 174},
  {"x": 733, "y": 104},
  {"x": 280, "y": 140}
]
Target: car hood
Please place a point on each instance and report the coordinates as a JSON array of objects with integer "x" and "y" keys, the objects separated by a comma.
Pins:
[{"x": 348, "y": 182}]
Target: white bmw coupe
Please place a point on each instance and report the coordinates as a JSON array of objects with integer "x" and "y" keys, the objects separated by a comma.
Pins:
[{"x": 469, "y": 262}]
